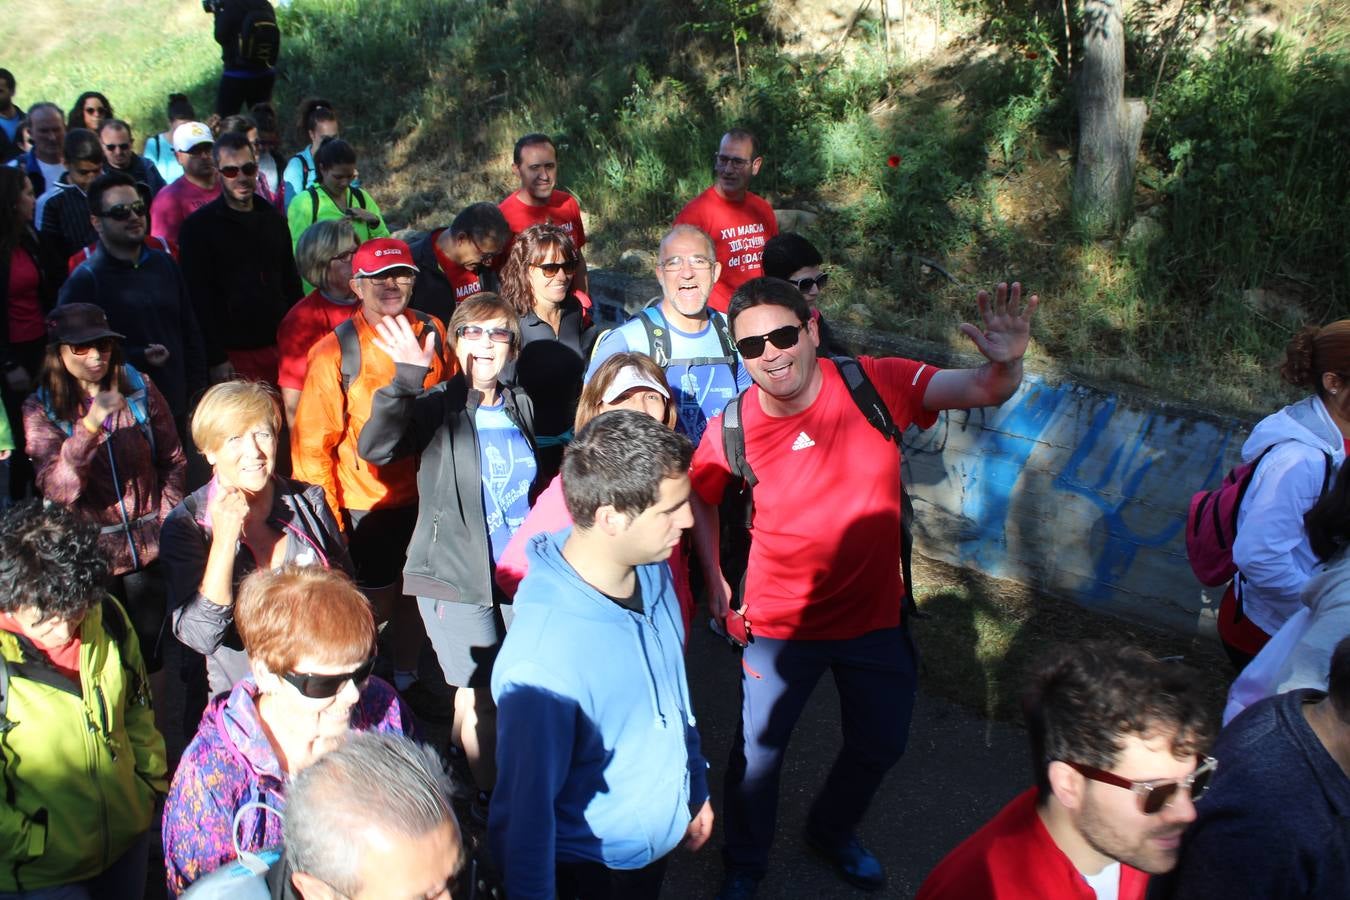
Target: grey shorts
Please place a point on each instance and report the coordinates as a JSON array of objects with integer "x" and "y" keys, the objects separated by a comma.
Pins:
[{"x": 466, "y": 638}]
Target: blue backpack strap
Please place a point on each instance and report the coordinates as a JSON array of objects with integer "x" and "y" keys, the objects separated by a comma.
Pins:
[
  {"x": 139, "y": 402},
  {"x": 658, "y": 339}
]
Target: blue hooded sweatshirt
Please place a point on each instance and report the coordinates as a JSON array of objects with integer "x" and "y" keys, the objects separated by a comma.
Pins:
[{"x": 598, "y": 755}]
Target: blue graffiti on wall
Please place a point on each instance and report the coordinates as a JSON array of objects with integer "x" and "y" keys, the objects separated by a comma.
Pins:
[{"x": 1110, "y": 477}]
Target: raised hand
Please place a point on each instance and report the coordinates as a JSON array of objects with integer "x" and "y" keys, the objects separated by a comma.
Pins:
[
  {"x": 1006, "y": 331},
  {"x": 156, "y": 354},
  {"x": 396, "y": 337},
  {"x": 228, "y": 510},
  {"x": 106, "y": 403}
]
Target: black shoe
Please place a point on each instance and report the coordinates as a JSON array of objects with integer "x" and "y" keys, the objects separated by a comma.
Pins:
[
  {"x": 738, "y": 886},
  {"x": 851, "y": 860}
]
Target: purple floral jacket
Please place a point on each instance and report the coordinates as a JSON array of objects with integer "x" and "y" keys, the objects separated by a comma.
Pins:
[{"x": 230, "y": 763}]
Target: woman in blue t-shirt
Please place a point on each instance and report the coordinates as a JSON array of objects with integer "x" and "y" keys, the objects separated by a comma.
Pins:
[{"x": 476, "y": 476}]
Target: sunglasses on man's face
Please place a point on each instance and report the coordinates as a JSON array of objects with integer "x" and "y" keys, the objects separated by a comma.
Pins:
[
  {"x": 250, "y": 169},
  {"x": 805, "y": 284},
  {"x": 122, "y": 211},
  {"x": 102, "y": 345},
  {"x": 322, "y": 687},
  {"x": 117, "y": 148},
  {"x": 1153, "y": 796},
  {"x": 568, "y": 268},
  {"x": 753, "y": 347}
]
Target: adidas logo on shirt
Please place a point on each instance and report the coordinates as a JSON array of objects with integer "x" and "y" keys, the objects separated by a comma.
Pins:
[{"x": 802, "y": 442}]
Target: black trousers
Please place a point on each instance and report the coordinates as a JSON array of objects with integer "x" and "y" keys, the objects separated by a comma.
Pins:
[
  {"x": 593, "y": 881},
  {"x": 234, "y": 92}
]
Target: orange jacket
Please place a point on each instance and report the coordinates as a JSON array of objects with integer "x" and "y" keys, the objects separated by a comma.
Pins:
[{"x": 327, "y": 425}]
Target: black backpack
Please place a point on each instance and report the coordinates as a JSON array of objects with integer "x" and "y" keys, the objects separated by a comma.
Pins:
[
  {"x": 260, "y": 38},
  {"x": 870, "y": 404},
  {"x": 659, "y": 348},
  {"x": 313, "y": 191}
]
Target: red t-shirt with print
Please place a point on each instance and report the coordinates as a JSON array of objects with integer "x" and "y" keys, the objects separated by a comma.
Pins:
[
  {"x": 464, "y": 281},
  {"x": 825, "y": 549},
  {"x": 739, "y": 231},
  {"x": 561, "y": 209}
]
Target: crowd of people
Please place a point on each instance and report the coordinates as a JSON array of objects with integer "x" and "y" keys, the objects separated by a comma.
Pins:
[{"x": 305, "y": 451}]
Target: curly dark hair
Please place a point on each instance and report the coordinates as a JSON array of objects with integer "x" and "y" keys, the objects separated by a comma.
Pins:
[
  {"x": 532, "y": 246},
  {"x": 49, "y": 559},
  {"x": 1083, "y": 699}
]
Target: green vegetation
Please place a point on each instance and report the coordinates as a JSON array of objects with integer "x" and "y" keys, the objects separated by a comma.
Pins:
[{"x": 1245, "y": 170}]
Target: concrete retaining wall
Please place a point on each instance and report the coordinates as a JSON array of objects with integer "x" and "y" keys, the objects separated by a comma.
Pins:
[{"x": 1072, "y": 490}]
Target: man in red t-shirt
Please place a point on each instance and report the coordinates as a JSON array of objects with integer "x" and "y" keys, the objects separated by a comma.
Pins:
[
  {"x": 1110, "y": 803},
  {"x": 539, "y": 200},
  {"x": 739, "y": 222},
  {"x": 823, "y": 584},
  {"x": 196, "y": 187},
  {"x": 455, "y": 263}
]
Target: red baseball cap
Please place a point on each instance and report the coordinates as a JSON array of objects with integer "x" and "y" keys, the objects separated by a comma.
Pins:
[{"x": 380, "y": 254}]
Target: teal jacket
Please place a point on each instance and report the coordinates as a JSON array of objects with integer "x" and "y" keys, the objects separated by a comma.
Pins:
[{"x": 81, "y": 765}]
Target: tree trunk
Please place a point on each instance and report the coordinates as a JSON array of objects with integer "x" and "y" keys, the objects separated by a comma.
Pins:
[{"x": 1109, "y": 126}]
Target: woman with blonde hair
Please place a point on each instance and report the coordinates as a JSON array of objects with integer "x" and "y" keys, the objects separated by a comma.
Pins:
[
  {"x": 245, "y": 518},
  {"x": 310, "y": 638},
  {"x": 1297, "y": 451}
]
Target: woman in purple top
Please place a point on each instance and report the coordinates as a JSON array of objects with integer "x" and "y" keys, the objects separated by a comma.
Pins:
[{"x": 310, "y": 638}]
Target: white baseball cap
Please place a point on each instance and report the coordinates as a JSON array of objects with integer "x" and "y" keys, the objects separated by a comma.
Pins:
[
  {"x": 191, "y": 134},
  {"x": 630, "y": 377}
]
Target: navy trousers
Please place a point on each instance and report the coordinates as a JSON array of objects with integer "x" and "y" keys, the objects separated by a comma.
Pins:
[{"x": 876, "y": 676}]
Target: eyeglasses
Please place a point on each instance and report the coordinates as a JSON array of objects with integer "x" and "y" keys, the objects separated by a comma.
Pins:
[
  {"x": 104, "y": 346},
  {"x": 1154, "y": 795},
  {"x": 382, "y": 280},
  {"x": 568, "y": 268},
  {"x": 476, "y": 332},
  {"x": 805, "y": 284},
  {"x": 120, "y": 212},
  {"x": 321, "y": 687},
  {"x": 249, "y": 168},
  {"x": 484, "y": 257},
  {"x": 753, "y": 347},
  {"x": 343, "y": 257},
  {"x": 117, "y": 148},
  {"x": 96, "y": 110},
  {"x": 676, "y": 263},
  {"x": 730, "y": 162}
]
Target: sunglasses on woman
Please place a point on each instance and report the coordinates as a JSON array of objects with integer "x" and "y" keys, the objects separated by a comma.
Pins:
[
  {"x": 805, "y": 284},
  {"x": 1155, "y": 795},
  {"x": 102, "y": 345},
  {"x": 322, "y": 687},
  {"x": 120, "y": 212},
  {"x": 248, "y": 168},
  {"x": 568, "y": 268},
  {"x": 476, "y": 332},
  {"x": 753, "y": 347}
]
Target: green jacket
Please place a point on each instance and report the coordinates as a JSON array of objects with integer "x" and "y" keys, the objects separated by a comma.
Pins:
[{"x": 80, "y": 765}]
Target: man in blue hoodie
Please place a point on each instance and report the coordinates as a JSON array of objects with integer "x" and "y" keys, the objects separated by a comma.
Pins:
[{"x": 600, "y": 774}]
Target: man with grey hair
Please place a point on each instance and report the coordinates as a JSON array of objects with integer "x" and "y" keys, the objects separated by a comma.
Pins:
[
  {"x": 372, "y": 820},
  {"x": 682, "y": 334}
]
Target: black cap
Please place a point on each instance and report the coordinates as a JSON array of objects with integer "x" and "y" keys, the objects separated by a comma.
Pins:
[{"x": 78, "y": 323}]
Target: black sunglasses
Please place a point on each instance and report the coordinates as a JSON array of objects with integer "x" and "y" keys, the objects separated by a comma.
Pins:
[
  {"x": 322, "y": 687},
  {"x": 805, "y": 284},
  {"x": 122, "y": 211},
  {"x": 248, "y": 168},
  {"x": 104, "y": 346},
  {"x": 112, "y": 148},
  {"x": 550, "y": 269},
  {"x": 753, "y": 347}
]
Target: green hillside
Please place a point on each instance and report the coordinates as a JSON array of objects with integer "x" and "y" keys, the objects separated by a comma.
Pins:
[{"x": 940, "y": 145}]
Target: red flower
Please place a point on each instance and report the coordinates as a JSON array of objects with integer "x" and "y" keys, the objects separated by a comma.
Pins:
[
  {"x": 1032, "y": 54},
  {"x": 893, "y": 161}
]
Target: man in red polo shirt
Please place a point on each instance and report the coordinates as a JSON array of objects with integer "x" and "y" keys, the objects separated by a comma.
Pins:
[
  {"x": 455, "y": 263},
  {"x": 739, "y": 222},
  {"x": 539, "y": 200},
  {"x": 823, "y": 589},
  {"x": 1117, "y": 743}
]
